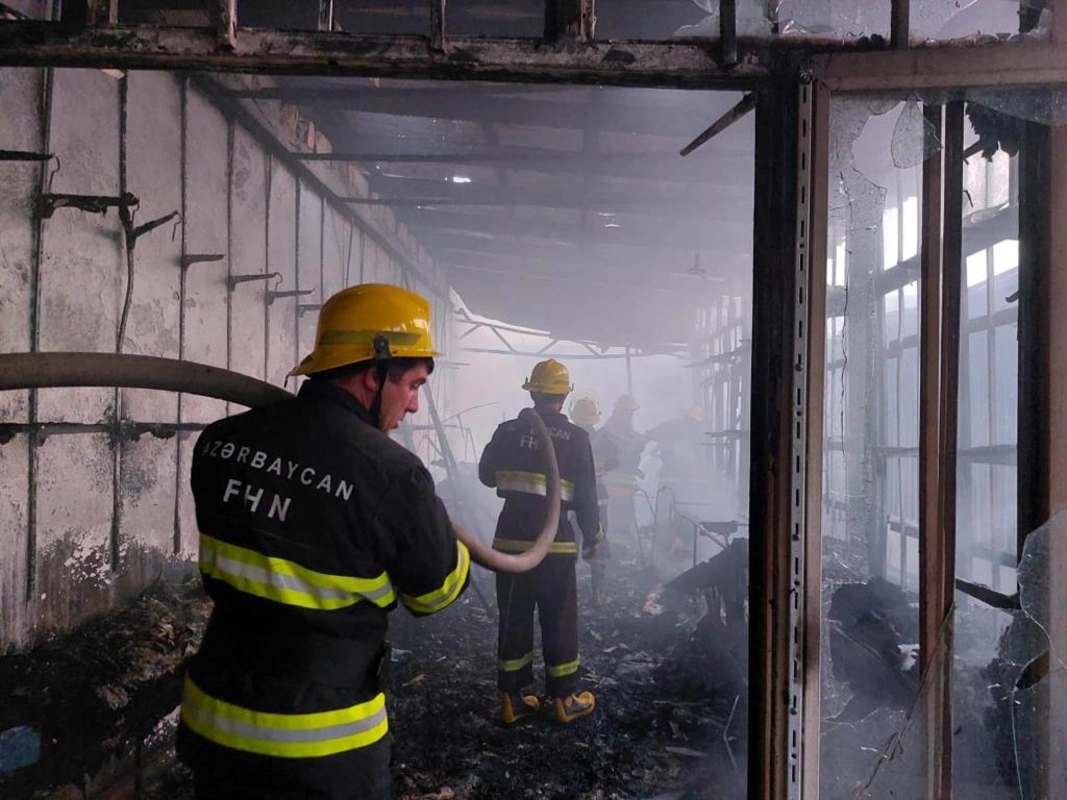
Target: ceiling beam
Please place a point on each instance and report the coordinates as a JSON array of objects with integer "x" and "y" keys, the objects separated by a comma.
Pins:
[
  {"x": 996, "y": 64},
  {"x": 640, "y": 166},
  {"x": 416, "y": 192},
  {"x": 628, "y": 282},
  {"x": 569, "y": 260},
  {"x": 631, "y": 232},
  {"x": 670, "y": 114},
  {"x": 681, "y": 64}
]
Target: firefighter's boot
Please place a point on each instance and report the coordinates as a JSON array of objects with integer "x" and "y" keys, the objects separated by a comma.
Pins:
[
  {"x": 516, "y": 706},
  {"x": 574, "y": 707}
]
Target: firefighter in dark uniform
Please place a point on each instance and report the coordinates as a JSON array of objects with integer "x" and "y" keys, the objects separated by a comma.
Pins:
[
  {"x": 585, "y": 414},
  {"x": 313, "y": 524},
  {"x": 511, "y": 463}
]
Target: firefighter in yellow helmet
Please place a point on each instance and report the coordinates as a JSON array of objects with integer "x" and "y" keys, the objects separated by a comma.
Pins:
[
  {"x": 585, "y": 414},
  {"x": 681, "y": 444},
  {"x": 512, "y": 465},
  {"x": 313, "y": 525},
  {"x": 622, "y": 481}
]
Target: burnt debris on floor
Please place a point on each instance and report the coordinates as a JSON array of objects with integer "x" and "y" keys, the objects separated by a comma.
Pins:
[
  {"x": 669, "y": 679},
  {"x": 101, "y": 700},
  {"x": 670, "y": 719}
]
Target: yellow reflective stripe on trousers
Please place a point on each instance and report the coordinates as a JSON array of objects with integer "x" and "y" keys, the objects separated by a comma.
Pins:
[
  {"x": 450, "y": 589},
  {"x": 563, "y": 670},
  {"x": 520, "y": 546},
  {"x": 515, "y": 664},
  {"x": 286, "y": 581},
  {"x": 532, "y": 483},
  {"x": 284, "y": 735}
]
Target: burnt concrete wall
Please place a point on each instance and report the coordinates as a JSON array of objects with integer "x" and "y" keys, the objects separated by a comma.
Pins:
[{"x": 91, "y": 515}]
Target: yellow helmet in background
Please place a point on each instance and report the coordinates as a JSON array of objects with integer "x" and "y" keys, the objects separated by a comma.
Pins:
[
  {"x": 695, "y": 413},
  {"x": 549, "y": 377},
  {"x": 367, "y": 322},
  {"x": 585, "y": 412},
  {"x": 627, "y": 402}
]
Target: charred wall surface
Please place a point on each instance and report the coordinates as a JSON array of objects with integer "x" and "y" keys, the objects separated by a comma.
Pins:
[{"x": 96, "y": 504}]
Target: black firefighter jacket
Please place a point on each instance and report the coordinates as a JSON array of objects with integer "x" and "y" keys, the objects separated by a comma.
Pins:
[
  {"x": 514, "y": 464},
  {"x": 313, "y": 524}
]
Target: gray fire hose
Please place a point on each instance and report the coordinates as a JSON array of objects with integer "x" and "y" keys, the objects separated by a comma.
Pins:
[{"x": 50, "y": 370}]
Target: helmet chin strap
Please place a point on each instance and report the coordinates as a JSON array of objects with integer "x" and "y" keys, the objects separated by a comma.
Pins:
[{"x": 382, "y": 355}]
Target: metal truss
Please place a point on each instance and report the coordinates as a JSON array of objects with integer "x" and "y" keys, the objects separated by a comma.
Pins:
[{"x": 553, "y": 343}]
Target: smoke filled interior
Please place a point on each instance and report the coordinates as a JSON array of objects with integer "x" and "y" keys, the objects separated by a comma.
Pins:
[
  {"x": 541, "y": 222},
  {"x": 800, "y": 265}
]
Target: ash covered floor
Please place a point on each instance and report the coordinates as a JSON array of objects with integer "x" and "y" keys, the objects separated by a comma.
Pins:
[{"x": 670, "y": 721}]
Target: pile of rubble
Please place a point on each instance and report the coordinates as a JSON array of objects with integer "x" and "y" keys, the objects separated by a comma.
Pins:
[
  {"x": 670, "y": 686},
  {"x": 99, "y": 703},
  {"x": 670, "y": 683}
]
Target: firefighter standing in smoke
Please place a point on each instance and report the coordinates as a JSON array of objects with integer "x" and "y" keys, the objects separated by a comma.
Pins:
[
  {"x": 313, "y": 523},
  {"x": 585, "y": 414},
  {"x": 621, "y": 482},
  {"x": 510, "y": 463}
]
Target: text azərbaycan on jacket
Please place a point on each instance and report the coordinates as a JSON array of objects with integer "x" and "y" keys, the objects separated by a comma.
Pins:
[
  {"x": 313, "y": 524},
  {"x": 513, "y": 464}
]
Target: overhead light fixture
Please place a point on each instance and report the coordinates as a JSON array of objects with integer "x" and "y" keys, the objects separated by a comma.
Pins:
[{"x": 460, "y": 179}]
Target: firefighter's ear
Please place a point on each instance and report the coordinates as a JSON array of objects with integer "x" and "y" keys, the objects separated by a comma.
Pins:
[{"x": 368, "y": 379}]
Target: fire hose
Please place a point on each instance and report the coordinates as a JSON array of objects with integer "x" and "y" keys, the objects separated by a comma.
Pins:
[{"x": 51, "y": 370}]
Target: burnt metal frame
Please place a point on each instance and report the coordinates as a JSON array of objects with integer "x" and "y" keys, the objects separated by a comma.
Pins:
[
  {"x": 1038, "y": 243},
  {"x": 773, "y": 460}
]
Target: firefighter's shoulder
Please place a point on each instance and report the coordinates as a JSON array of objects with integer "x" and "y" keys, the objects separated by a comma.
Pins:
[
  {"x": 577, "y": 433},
  {"x": 510, "y": 427}
]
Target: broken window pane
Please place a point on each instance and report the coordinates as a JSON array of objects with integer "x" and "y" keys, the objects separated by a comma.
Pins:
[
  {"x": 870, "y": 545},
  {"x": 498, "y": 18},
  {"x": 1027, "y": 674},
  {"x": 898, "y": 767},
  {"x": 942, "y": 20},
  {"x": 986, "y": 486},
  {"x": 637, "y": 19}
]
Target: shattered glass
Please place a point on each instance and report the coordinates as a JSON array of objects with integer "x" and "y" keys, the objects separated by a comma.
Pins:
[
  {"x": 755, "y": 18},
  {"x": 912, "y": 126},
  {"x": 943, "y": 20},
  {"x": 850, "y": 20},
  {"x": 1008, "y": 692},
  {"x": 870, "y": 554},
  {"x": 1047, "y": 106},
  {"x": 820, "y": 19}
]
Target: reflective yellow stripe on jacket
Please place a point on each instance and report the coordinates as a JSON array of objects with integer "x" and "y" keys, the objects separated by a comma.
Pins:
[
  {"x": 532, "y": 483},
  {"x": 520, "y": 546},
  {"x": 451, "y": 588},
  {"x": 284, "y": 735},
  {"x": 286, "y": 581}
]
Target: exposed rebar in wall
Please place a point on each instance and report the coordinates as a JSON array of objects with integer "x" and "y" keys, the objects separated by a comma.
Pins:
[
  {"x": 322, "y": 249},
  {"x": 47, "y": 91},
  {"x": 230, "y": 136},
  {"x": 183, "y": 152},
  {"x": 120, "y": 333},
  {"x": 362, "y": 255},
  {"x": 296, "y": 274},
  {"x": 267, "y": 189}
]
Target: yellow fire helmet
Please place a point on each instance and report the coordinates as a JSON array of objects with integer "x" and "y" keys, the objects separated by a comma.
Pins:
[
  {"x": 585, "y": 412},
  {"x": 549, "y": 377},
  {"x": 695, "y": 413},
  {"x": 368, "y": 322},
  {"x": 627, "y": 402}
]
